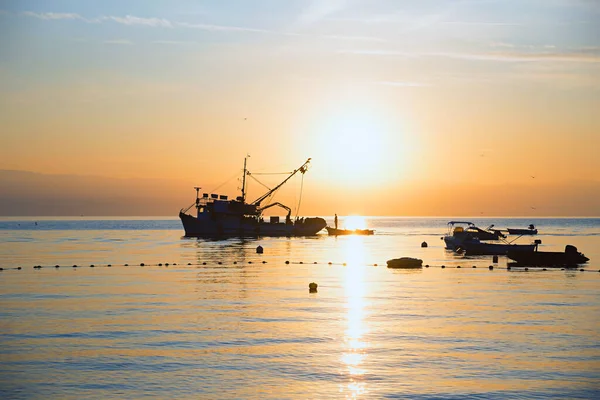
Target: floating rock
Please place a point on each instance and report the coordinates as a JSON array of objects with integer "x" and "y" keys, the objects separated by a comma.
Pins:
[
  {"x": 424, "y": 244},
  {"x": 405, "y": 262},
  {"x": 312, "y": 287}
]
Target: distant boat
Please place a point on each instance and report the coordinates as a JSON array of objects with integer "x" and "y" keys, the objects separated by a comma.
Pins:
[
  {"x": 570, "y": 257},
  {"x": 481, "y": 248},
  {"x": 336, "y": 232},
  {"x": 405, "y": 262},
  {"x": 529, "y": 231},
  {"x": 460, "y": 232},
  {"x": 218, "y": 216}
]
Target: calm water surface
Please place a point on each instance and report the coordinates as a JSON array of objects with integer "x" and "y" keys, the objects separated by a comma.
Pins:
[{"x": 231, "y": 326}]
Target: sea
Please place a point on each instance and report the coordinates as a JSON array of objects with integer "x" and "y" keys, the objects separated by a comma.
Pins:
[{"x": 128, "y": 308}]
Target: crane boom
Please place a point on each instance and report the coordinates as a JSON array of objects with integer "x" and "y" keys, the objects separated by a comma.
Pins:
[{"x": 302, "y": 169}]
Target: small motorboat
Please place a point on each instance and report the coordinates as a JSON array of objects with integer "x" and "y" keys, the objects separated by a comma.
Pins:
[
  {"x": 570, "y": 257},
  {"x": 336, "y": 232},
  {"x": 460, "y": 232},
  {"x": 405, "y": 262},
  {"x": 529, "y": 231}
]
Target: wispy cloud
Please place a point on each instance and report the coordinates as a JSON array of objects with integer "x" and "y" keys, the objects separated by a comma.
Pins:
[
  {"x": 154, "y": 22},
  {"x": 319, "y": 9},
  {"x": 587, "y": 55},
  {"x": 119, "y": 41},
  {"x": 131, "y": 20},
  {"x": 402, "y": 83},
  {"x": 221, "y": 28},
  {"x": 55, "y": 16}
]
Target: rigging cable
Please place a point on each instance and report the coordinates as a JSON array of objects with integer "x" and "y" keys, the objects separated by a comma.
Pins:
[{"x": 300, "y": 199}]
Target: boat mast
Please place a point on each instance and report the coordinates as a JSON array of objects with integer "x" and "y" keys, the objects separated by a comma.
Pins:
[
  {"x": 302, "y": 169},
  {"x": 244, "y": 182}
]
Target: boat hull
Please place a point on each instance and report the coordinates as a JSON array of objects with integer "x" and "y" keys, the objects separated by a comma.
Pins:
[
  {"x": 480, "y": 249},
  {"x": 232, "y": 225},
  {"x": 336, "y": 232},
  {"x": 513, "y": 231},
  {"x": 548, "y": 258}
]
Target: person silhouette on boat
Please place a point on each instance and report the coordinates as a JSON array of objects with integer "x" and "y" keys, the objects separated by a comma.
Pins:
[{"x": 335, "y": 221}]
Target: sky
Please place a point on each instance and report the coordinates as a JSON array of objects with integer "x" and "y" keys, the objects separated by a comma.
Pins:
[{"x": 406, "y": 108}]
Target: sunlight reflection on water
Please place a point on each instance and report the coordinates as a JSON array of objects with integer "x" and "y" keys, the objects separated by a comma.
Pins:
[{"x": 244, "y": 329}]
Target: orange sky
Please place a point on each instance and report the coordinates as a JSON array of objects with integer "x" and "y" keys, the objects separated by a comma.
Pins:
[{"x": 388, "y": 99}]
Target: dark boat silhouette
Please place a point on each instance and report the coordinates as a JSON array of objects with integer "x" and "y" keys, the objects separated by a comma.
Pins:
[
  {"x": 217, "y": 216},
  {"x": 529, "y": 231},
  {"x": 336, "y": 232},
  {"x": 570, "y": 257}
]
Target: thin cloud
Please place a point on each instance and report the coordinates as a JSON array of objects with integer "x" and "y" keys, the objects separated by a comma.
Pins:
[
  {"x": 583, "y": 55},
  {"x": 220, "y": 28},
  {"x": 55, "y": 16},
  {"x": 119, "y": 41},
  {"x": 131, "y": 20},
  {"x": 402, "y": 83},
  {"x": 319, "y": 9}
]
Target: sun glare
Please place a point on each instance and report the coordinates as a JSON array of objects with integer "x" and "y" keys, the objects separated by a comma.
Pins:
[
  {"x": 357, "y": 146},
  {"x": 355, "y": 222}
]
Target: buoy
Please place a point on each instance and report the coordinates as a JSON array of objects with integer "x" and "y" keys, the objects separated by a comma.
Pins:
[
  {"x": 92, "y": 266},
  {"x": 491, "y": 267},
  {"x": 141, "y": 264},
  {"x": 235, "y": 262},
  {"x": 424, "y": 244},
  {"x": 312, "y": 287},
  {"x": 330, "y": 264},
  {"x": 458, "y": 266},
  {"x": 315, "y": 262},
  {"x": 508, "y": 268},
  {"x": 20, "y": 268},
  {"x": 259, "y": 250},
  {"x": 1, "y": 269},
  {"x": 57, "y": 266},
  {"x": 75, "y": 266},
  {"x": 160, "y": 264},
  {"x": 495, "y": 259},
  {"x": 287, "y": 262},
  {"x": 443, "y": 266},
  {"x": 426, "y": 265},
  {"x": 374, "y": 265},
  {"x": 189, "y": 263},
  {"x": 249, "y": 262},
  {"x": 166, "y": 264},
  {"x": 127, "y": 265},
  {"x": 204, "y": 263},
  {"x": 581, "y": 270},
  {"x": 301, "y": 262},
  {"x": 474, "y": 266},
  {"x": 544, "y": 269},
  {"x": 174, "y": 263},
  {"x": 344, "y": 264},
  {"x": 264, "y": 262},
  {"x": 526, "y": 269},
  {"x": 220, "y": 263},
  {"x": 109, "y": 265}
]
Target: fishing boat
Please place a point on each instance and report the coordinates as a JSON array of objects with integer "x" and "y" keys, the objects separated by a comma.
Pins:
[
  {"x": 336, "y": 232},
  {"x": 570, "y": 257},
  {"x": 529, "y": 231},
  {"x": 216, "y": 215},
  {"x": 460, "y": 232}
]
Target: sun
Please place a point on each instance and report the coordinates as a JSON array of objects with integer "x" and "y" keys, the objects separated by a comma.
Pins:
[
  {"x": 354, "y": 222},
  {"x": 358, "y": 146}
]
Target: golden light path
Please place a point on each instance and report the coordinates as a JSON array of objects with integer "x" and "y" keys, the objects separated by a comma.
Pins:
[{"x": 355, "y": 348}]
